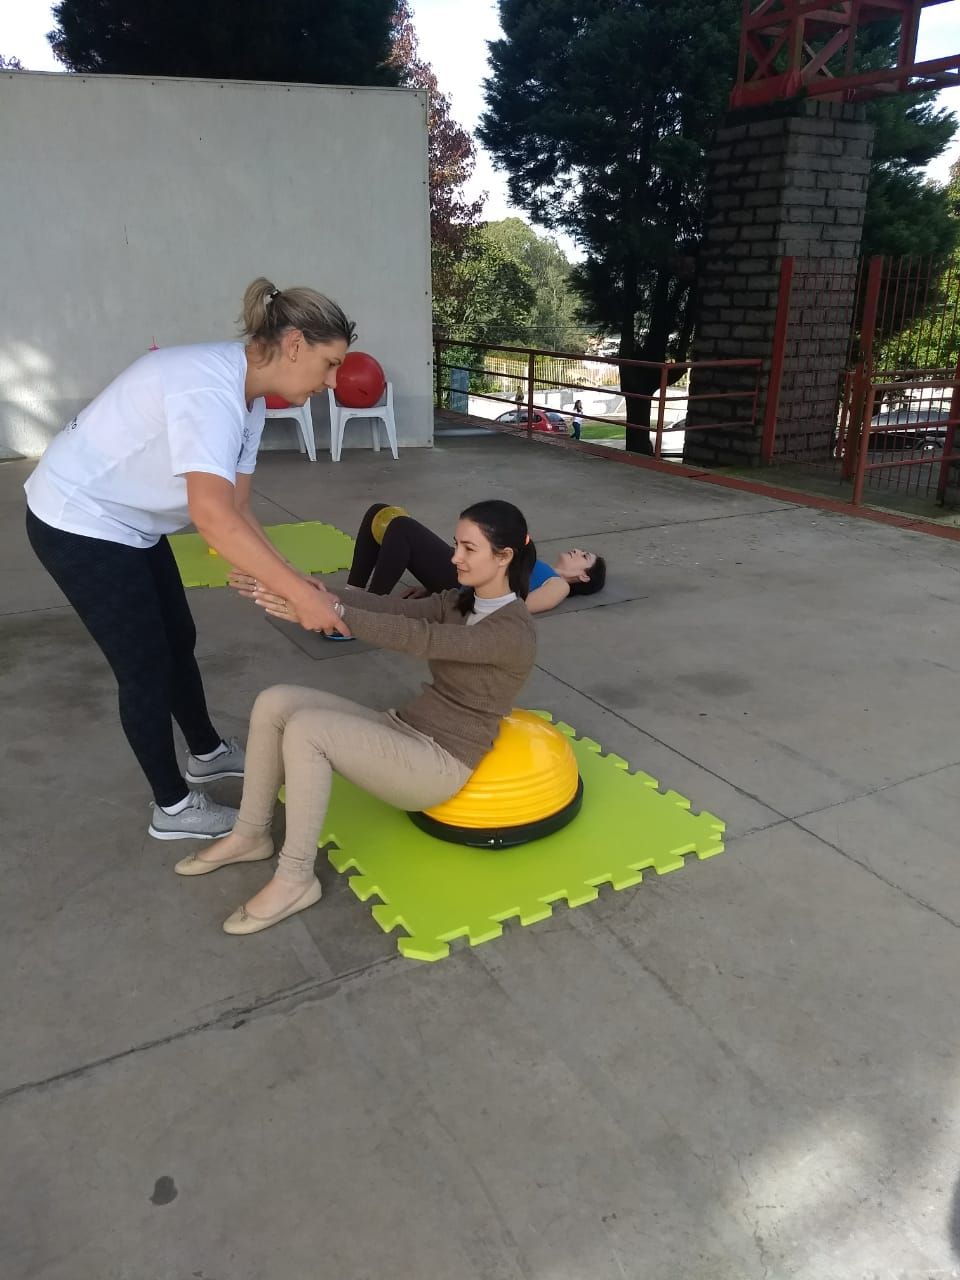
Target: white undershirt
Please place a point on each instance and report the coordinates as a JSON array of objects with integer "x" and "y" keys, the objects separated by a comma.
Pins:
[{"x": 482, "y": 608}]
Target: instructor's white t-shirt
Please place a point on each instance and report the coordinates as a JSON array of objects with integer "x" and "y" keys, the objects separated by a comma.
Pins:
[{"x": 117, "y": 471}]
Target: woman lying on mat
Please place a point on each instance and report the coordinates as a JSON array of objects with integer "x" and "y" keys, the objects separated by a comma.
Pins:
[
  {"x": 174, "y": 439},
  {"x": 479, "y": 643},
  {"x": 391, "y": 543}
]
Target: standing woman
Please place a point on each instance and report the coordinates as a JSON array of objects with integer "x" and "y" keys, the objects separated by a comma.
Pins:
[{"x": 172, "y": 440}]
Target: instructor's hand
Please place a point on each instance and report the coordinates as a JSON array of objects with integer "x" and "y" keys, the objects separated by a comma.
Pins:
[
  {"x": 313, "y": 610},
  {"x": 248, "y": 587}
]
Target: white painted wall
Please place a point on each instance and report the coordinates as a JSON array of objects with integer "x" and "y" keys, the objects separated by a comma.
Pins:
[{"x": 135, "y": 209}]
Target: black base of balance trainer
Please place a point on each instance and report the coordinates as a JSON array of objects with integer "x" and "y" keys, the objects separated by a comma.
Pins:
[{"x": 502, "y": 837}]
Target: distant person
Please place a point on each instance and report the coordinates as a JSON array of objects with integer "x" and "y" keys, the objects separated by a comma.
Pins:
[
  {"x": 577, "y": 423},
  {"x": 407, "y": 546}
]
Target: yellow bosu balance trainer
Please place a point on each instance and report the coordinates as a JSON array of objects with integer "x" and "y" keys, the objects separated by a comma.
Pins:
[{"x": 526, "y": 787}]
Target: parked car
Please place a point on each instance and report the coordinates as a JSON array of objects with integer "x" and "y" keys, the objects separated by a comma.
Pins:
[
  {"x": 542, "y": 420},
  {"x": 923, "y": 428}
]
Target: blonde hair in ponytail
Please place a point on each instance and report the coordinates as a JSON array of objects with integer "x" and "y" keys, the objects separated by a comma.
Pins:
[{"x": 268, "y": 313}]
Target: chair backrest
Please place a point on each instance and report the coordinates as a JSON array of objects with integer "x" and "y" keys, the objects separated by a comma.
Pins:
[{"x": 385, "y": 399}]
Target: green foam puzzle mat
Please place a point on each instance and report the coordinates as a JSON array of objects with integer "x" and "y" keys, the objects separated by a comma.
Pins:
[
  {"x": 438, "y": 891},
  {"x": 311, "y": 546}
]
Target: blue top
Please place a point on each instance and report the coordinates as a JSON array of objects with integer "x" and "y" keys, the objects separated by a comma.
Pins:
[{"x": 540, "y": 574}]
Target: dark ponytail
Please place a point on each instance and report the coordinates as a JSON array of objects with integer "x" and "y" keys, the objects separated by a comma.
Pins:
[{"x": 503, "y": 525}]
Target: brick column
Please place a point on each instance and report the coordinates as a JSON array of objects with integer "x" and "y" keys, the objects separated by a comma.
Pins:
[{"x": 788, "y": 180}]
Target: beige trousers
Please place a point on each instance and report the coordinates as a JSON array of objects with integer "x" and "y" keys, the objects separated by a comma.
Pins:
[{"x": 300, "y": 736}]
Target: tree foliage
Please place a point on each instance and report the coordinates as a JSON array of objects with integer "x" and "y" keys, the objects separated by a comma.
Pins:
[
  {"x": 10, "y": 64},
  {"x": 600, "y": 111},
  {"x": 302, "y": 41},
  {"x": 905, "y": 214},
  {"x": 930, "y": 336},
  {"x": 490, "y": 293},
  {"x": 452, "y": 153},
  {"x": 553, "y": 322}
]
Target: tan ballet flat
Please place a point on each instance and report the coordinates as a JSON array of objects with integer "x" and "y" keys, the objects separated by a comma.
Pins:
[
  {"x": 242, "y": 921},
  {"x": 196, "y": 866}
]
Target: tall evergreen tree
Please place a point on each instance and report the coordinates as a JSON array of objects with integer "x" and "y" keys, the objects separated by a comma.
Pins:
[
  {"x": 600, "y": 112},
  {"x": 303, "y": 41},
  {"x": 905, "y": 215}
]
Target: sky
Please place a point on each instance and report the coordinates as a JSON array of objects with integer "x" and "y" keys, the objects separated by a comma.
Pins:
[{"x": 453, "y": 38}]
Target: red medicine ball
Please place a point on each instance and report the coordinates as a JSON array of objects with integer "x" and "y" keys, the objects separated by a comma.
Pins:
[{"x": 361, "y": 381}]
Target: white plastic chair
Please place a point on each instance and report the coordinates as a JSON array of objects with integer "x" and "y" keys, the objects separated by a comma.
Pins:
[
  {"x": 304, "y": 420},
  {"x": 341, "y": 414}
]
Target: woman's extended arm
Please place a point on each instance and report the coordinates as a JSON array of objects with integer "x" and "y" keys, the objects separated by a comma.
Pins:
[
  {"x": 494, "y": 640},
  {"x": 214, "y": 512}
]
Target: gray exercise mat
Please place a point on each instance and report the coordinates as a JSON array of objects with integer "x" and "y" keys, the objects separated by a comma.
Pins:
[
  {"x": 613, "y": 592},
  {"x": 313, "y": 643}
]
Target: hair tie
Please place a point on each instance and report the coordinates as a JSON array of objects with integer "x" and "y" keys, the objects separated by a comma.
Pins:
[{"x": 270, "y": 297}]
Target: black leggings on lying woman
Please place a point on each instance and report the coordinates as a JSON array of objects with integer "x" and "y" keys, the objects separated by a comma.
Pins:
[{"x": 407, "y": 545}]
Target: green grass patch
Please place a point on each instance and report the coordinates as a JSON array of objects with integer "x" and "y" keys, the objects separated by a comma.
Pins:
[{"x": 601, "y": 431}]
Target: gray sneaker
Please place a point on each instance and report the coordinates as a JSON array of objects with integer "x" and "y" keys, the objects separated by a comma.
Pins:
[
  {"x": 228, "y": 765},
  {"x": 200, "y": 820}
]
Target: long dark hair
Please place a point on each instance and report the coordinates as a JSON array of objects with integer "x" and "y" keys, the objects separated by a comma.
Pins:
[{"x": 503, "y": 525}]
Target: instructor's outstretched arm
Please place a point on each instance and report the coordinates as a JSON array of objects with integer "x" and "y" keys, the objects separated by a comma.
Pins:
[{"x": 213, "y": 510}]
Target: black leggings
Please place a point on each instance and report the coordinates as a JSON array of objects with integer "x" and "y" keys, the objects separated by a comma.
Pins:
[
  {"x": 133, "y": 604},
  {"x": 407, "y": 545}
]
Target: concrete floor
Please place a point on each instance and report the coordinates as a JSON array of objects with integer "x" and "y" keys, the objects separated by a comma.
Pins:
[{"x": 745, "y": 1070}]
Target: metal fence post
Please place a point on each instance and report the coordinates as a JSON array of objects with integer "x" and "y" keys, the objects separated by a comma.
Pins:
[
  {"x": 661, "y": 409},
  {"x": 531, "y": 365},
  {"x": 949, "y": 440},
  {"x": 868, "y": 403},
  {"x": 864, "y": 398},
  {"x": 768, "y": 437}
]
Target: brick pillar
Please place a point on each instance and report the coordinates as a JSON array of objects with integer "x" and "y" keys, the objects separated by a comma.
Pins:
[{"x": 788, "y": 180}]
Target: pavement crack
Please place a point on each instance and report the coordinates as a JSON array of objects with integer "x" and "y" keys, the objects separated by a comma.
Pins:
[
  {"x": 232, "y": 1018},
  {"x": 876, "y": 791},
  {"x": 780, "y": 817},
  {"x": 891, "y": 884}
]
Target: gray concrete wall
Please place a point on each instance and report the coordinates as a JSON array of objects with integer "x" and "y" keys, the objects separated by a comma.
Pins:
[{"x": 136, "y": 209}]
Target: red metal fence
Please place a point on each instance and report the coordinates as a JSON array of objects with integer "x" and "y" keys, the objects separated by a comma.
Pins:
[
  {"x": 894, "y": 393},
  {"x": 861, "y": 384},
  {"x": 532, "y": 383}
]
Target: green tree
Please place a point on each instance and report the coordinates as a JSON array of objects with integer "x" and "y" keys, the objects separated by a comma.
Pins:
[
  {"x": 452, "y": 154},
  {"x": 600, "y": 113},
  {"x": 488, "y": 293},
  {"x": 451, "y": 158},
  {"x": 905, "y": 215},
  {"x": 306, "y": 41},
  {"x": 554, "y": 318},
  {"x": 930, "y": 339}
]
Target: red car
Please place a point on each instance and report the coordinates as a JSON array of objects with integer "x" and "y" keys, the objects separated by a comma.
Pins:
[{"x": 540, "y": 421}]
